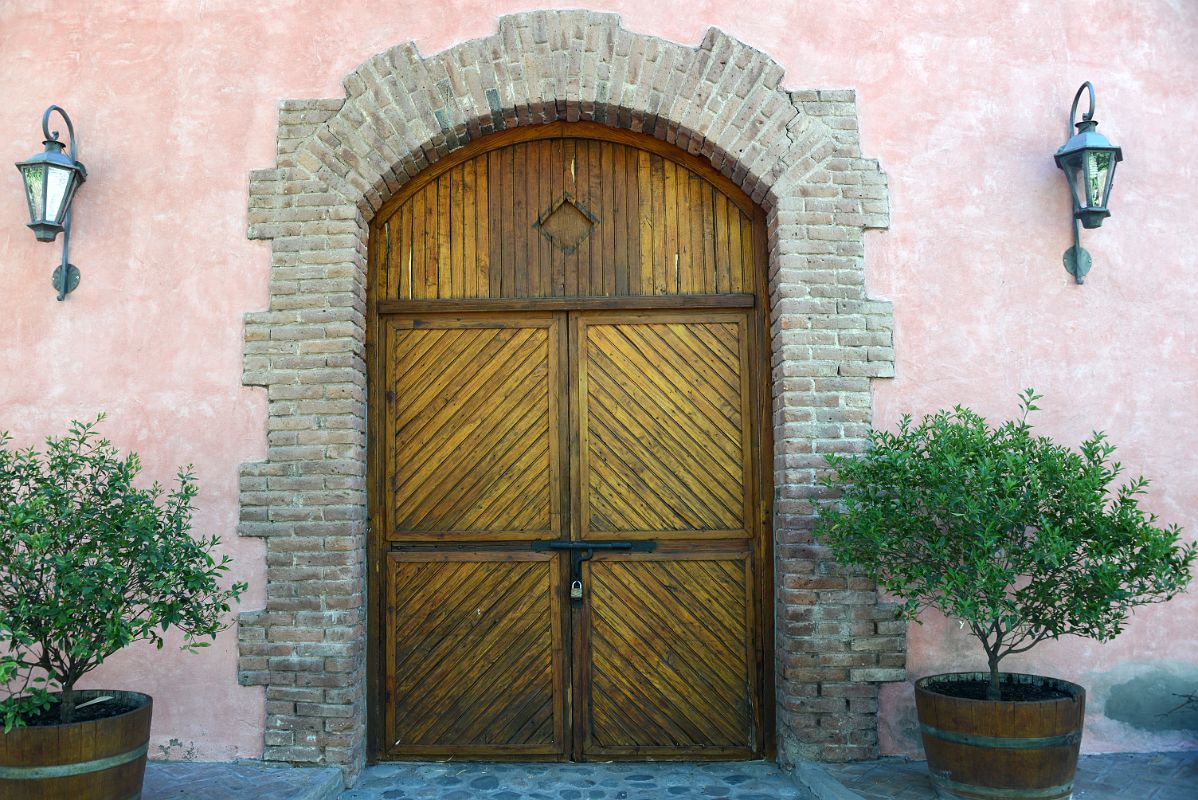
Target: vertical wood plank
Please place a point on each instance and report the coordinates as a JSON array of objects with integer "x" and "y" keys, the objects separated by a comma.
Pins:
[
  {"x": 569, "y": 179},
  {"x": 401, "y": 252},
  {"x": 746, "y": 257},
  {"x": 457, "y": 270},
  {"x": 496, "y": 225},
  {"x": 707, "y": 202},
  {"x": 723, "y": 267},
  {"x": 611, "y": 218},
  {"x": 511, "y": 243},
  {"x": 735, "y": 252},
  {"x": 619, "y": 176},
  {"x": 416, "y": 245},
  {"x": 646, "y": 220},
  {"x": 632, "y": 256},
  {"x": 547, "y": 169},
  {"x": 431, "y": 243},
  {"x": 383, "y": 243},
  {"x": 578, "y": 276},
  {"x": 663, "y": 226},
  {"x": 530, "y": 185},
  {"x": 444, "y": 243},
  {"x": 599, "y": 259},
  {"x": 469, "y": 229},
  {"x": 521, "y": 219},
  {"x": 693, "y": 261},
  {"x": 482, "y": 220},
  {"x": 676, "y": 243},
  {"x": 557, "y": 186}
]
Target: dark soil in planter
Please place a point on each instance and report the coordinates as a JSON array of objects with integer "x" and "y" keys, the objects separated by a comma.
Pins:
[
  {"x": 109, "y": 708},
  {"x": 1016, "y": 692}
]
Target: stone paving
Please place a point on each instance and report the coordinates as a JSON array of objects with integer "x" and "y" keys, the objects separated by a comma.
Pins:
[
  {"x": 1147, "y": 776},
  {"x": 755, "y": 780}
]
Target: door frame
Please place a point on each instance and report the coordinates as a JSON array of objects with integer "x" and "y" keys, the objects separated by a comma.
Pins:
[{"x": 763, "y": 606}]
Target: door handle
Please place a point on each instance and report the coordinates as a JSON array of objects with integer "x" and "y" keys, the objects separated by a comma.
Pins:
[{"x": 582, "y": 551}]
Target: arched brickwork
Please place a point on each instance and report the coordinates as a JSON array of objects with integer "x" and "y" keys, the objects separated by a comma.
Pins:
[{"x": 794, "y": 152}]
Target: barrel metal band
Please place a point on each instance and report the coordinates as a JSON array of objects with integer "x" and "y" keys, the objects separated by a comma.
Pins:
[
  {"x": 1065, "y": 790},
  {"x": 67, "y": 770},
  {"x": 1029, "y": 743}
]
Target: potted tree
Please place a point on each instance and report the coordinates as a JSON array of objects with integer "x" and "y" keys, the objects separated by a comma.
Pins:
[
  {"x": 1021, "y": 540},
  {"x": 90, "y": 562}
]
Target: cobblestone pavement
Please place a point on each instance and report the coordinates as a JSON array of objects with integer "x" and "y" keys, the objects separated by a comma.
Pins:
[
  {"x": 1148, "y": 776},
  {"x": 756, "y": 780}
]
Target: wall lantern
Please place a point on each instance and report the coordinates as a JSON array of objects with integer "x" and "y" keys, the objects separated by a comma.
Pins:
[
  {"x": 1088, "y": 160},
  {"x": 51, "y": 179}
]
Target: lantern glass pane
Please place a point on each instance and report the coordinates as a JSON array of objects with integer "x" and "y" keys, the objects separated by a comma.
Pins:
[
  {"x": 1077, "y": 182},
  {"x": 58, "y": 181},
  {"x": 1098, "y": 169},
  {"x": 35, "y": 190}
]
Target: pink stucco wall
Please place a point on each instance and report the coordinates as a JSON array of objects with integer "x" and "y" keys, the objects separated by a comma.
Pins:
[{"x": 963, "y": 103}]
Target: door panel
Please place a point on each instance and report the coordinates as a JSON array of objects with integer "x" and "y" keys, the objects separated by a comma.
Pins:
[
  {"x": 664, "y": 426},
  {"x": 472, "y": 428},
  {"x": 669, "y": 655},
  {"x": 473, "y": 650}
]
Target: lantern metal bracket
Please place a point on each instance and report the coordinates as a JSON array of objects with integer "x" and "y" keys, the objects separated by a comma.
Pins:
[
  {"x": 1077, "y": 259},
  {"x": 66, "y": 276}
]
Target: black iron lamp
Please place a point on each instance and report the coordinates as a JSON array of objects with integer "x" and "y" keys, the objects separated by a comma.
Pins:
[
  {"x": 1088, "y": 160},
  {"x": 51, "y": 179}
]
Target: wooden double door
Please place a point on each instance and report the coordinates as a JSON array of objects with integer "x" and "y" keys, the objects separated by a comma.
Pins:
[
  {"x": 567, "y": 426},
  {"x": 571, "y": 567}
]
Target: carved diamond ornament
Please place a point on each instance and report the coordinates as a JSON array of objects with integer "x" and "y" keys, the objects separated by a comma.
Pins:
[{"x": 566, "y": 224}]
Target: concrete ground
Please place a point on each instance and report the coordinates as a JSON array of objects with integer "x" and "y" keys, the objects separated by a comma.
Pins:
[{"x": 1146, "y": 776}]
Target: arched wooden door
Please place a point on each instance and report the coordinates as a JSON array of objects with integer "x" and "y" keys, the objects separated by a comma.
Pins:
[{"x": 569, "y": 456}]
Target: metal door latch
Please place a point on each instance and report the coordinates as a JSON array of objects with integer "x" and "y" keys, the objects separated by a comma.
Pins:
[{"x": 582, "y": 551}]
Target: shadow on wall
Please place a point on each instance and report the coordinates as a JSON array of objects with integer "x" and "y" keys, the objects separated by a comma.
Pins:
[{"x": 1158, "y": 701}]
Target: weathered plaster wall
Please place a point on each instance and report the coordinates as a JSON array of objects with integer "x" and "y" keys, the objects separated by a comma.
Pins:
[{"x": 962, "y": 103}]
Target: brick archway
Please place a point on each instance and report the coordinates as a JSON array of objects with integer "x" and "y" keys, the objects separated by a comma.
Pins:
[{"x": 794, "y": 152}]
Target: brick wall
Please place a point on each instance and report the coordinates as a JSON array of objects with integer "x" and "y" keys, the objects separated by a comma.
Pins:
[{"x": 794, "y": 152}]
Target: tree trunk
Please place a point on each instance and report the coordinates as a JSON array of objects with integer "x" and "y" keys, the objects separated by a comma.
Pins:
[
  {"x": 66, "y": 707},
  {"x": 993, "y": 692}
]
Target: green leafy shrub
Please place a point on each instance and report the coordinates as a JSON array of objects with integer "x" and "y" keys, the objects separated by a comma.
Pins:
[
  {"x": 90, "y": 563},
  {"x": 1016, "y": 536}
]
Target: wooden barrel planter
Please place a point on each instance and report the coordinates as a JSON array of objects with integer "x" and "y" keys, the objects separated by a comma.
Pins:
[
  {"x": 1001, "y": 750},
  {"x": 100, "y": 759}
]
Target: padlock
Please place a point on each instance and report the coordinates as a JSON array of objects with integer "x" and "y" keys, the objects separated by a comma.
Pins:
[{"x": 576, "y": 590}]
